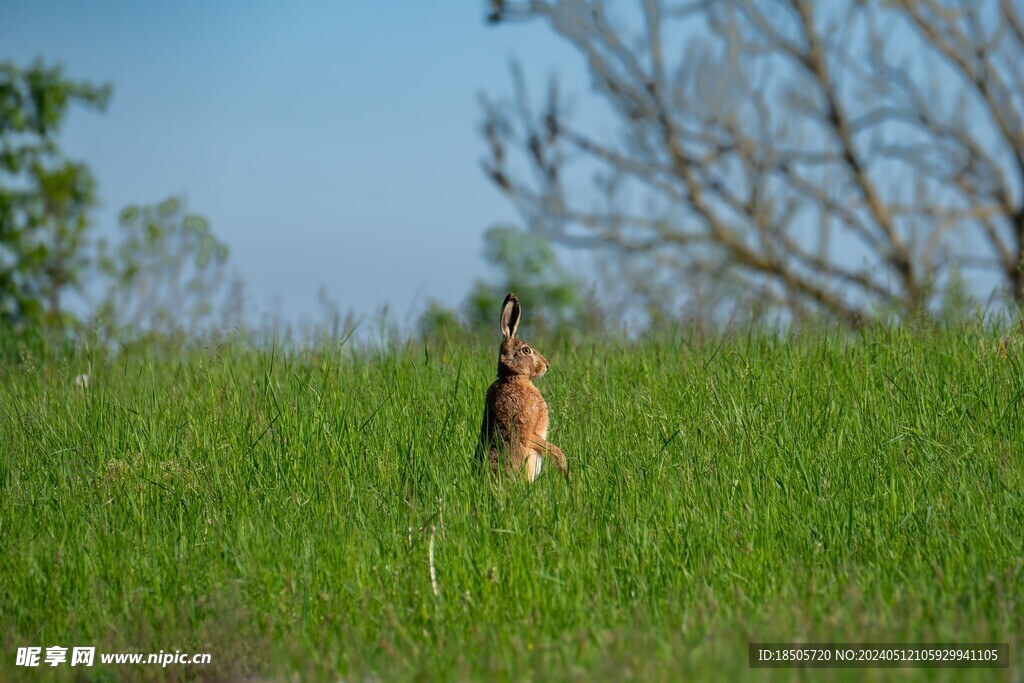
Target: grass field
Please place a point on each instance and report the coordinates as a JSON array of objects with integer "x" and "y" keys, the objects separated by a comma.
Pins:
[{"x": 278, "y": 509}]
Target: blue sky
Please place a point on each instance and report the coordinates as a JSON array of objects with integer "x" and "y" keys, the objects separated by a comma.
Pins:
[{"x": 332, "y": 145}]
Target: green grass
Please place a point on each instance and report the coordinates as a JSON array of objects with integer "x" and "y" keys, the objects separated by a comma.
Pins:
[{"x": 276, "y": 509}]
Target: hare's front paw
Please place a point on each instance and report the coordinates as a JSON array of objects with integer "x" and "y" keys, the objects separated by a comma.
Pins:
[{"x": 559, "y": 458}]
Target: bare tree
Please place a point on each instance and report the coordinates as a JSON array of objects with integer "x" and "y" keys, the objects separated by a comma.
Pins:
[{"x": 845, "y": 158}]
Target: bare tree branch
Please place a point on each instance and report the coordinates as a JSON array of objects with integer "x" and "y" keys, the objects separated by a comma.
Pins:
[{"x": 801, "y": 150}]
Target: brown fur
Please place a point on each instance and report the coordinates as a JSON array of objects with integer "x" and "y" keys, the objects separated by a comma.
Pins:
[{"x": 515, "y": 420}]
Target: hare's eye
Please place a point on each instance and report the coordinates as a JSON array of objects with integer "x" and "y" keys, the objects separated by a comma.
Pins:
[{"x": 527, "y": 350}]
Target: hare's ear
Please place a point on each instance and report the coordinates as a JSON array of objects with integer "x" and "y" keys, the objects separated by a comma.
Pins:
[{"x": 510, "y": 316}]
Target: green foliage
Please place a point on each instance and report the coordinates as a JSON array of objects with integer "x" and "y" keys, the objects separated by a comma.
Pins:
[
  {"x": 527, "y": 265},
  {"x": 45, "y": 199},
  {"x": 956, "y": 299},
  {"x": 279, "y": 509},
  {"x": 165, "y": 270},
  {"x": 165, "y": 273},
  {"x": 440, "y": 323}
]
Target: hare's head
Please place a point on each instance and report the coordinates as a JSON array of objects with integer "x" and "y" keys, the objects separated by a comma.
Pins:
[{"x": 516, "y": 357}]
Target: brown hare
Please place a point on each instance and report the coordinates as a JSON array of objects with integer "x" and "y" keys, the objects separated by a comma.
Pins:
[{"x": 515, "y": 425}]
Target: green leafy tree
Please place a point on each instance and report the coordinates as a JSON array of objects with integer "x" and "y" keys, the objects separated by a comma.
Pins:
[
  {"x": 45, "y": 199},
  {"x": 528, "y": 266},
  {"x": 439, "y": 323},
  {"x": 165, "y": 273}
]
